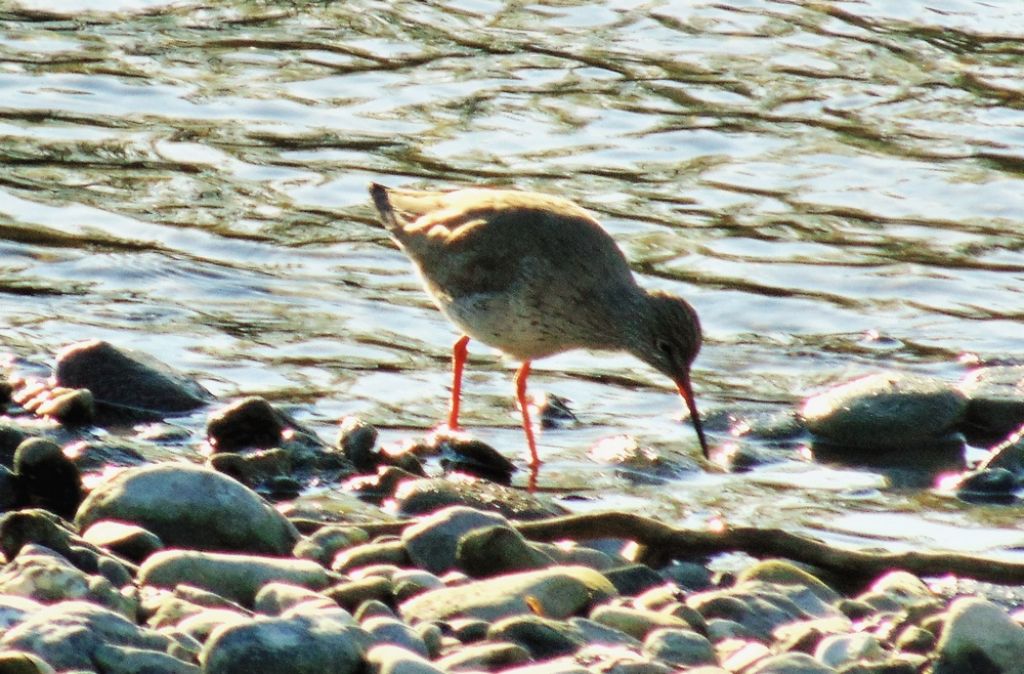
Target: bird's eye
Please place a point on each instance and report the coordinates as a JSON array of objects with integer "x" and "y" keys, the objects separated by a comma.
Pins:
[{"x": 664, "y": 347}]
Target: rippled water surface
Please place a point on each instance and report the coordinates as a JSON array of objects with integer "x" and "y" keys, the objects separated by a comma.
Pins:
[{"x": 837, "y": 188}]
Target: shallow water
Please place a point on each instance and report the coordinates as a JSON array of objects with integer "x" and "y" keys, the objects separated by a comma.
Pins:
[{"x": 836, "y": 187}]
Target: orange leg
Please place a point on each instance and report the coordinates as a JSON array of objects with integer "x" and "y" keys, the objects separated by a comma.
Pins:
[
  {"x": 520, "y": 379},
  {"x": 459, "y": 350}
]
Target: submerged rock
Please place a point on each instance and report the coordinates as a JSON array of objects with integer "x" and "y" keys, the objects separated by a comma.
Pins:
[
  {"x": 192, "y": 507},
  {"x": 887, "y": 411},
  {"x": 420, "y": 496},
  {"x": 995, "y": 400}
]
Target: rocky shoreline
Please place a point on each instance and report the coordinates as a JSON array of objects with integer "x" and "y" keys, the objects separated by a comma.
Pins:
[{"x": 167, "y": 566}]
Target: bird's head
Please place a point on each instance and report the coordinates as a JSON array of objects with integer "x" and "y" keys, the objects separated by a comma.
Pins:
[{"x": 669, "y": 342}]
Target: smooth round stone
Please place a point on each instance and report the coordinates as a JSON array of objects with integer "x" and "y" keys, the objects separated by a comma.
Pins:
[
  {"x": 780, "y": 572},
  {"x": 190, "y": 507},
  {"x": 995, "y": 398},
  {"x": 427, "y": 495},
  {"x": 839, "y": 650},
  {"x": 46, "y": 478},
  {"x": 237, "y": 577},
  {"x": 637, "y": 623},
  {"x": 276, "y": 598},
  {"x": 495, "y": 550},
  {"x": 556, "y": 593},
  {"x": 433, "y": 540},
  {"x": 679, "y": 647},
  {"x": 596, "y": 633},
  {"x": 393, "y": 631},
  {"x": 790, "y": 663},
  {"x": 886, "y": 411},
  {"x": 14, "y": 609},
  {"x": 67, "y": 634},
  {"x": 127, "y": 540},
  {"x": 17, "y": 662},
  {"x": 411, "y": 582},
  {"x": 543, "y": 638},
  {"x": 632, "y": 579},
  {"x": 978, "y": 631},
  {"x": 601, "y": 658},
  {"x": 370, "y": 554},
  {"x": 389, "y": 659},
  {"x": 300, "y": 645},
  {"x": 759, "y": 611},
  {"x": 249, "y": 422},
  {"x": 113, "y": 658},
  {"x": 327, "y": 541},
  {"x": 493, "y": 656},
  {"x": 353, "y": 593}
]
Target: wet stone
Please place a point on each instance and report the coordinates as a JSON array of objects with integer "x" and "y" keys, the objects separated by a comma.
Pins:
[
  {"x": 991, "y": 485},
  {"x": 887, "y": 411},
  {"x": 126, "y": 383},
  {"x": 46, "y": 478},
  {"x": 367, "y": 554},
  {"x": 353, "y": 593},
  {"x": 469, "y": 456},
  {"x": 632, "y": 579},
  {"x": 191, "y": 507},
  {"x": 995, "y": 399},
  {"x": 644, "y": 465},
  {"x": 250, "y": 422},
  {"x": 427, "y": 495},
  {"x": 637, "y": 623},
  {"x": 385, "y": 630}
]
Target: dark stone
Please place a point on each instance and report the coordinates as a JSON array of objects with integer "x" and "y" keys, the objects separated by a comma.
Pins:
[
  {"x": 476, "y": 458},
  {"x": 427, "y": 495},
  {"x": 633, "y": 579},
  {"x": 250, "y": 422},
  {"x": 357, "y": 440},
  {"x": 127, "y": 383},
  {"x": 996, "y": 484},
  {"x": 543, "y": 638},
  {"x": 46, "y": 478},
  {"x": 496, "y": 550},
  {"x": 10, "y": 437}
]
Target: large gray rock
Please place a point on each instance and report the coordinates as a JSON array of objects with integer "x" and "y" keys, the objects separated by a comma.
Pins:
[
  {"x": 237, "y": 577},
  {"x": 432, "y": 541},
  {"x": 69, "y": 634},
  {"x": 191, "y": 507},
  {"x": 887, "y": 411},
  {"x": 304, "y": 644},
  {"x": 979, "y": 637},
  {"x": 555, "y": 593},
  {"x": 127, "y": 381}
]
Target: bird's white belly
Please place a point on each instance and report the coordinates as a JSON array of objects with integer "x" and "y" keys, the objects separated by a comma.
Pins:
[{"x": 500, "y": 322}]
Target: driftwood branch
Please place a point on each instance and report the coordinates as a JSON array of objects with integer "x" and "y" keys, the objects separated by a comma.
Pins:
[
  {"x": 669, "y": 542},
  {"x": 663, "y": 543}
]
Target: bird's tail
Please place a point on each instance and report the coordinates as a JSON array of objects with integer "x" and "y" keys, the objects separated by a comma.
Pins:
[{"x": 382, "y": 200}]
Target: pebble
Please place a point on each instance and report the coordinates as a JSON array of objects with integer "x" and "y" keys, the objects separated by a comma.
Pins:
[
  {"x": 679, "y": 647},
  {"x": 496, "y": 550},
  {"x": 887, "y": 411},
  {"x": 540, "y": 637},
  {"x": 46, "y": 478},
  {"x": 190, "y": 507},
  {"x": 127, "y": 540},
  {"x": 424, "y": 496}
]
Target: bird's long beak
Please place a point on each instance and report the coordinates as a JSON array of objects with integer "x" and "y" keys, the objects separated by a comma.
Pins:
[{"x": 686, "y": 390}]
